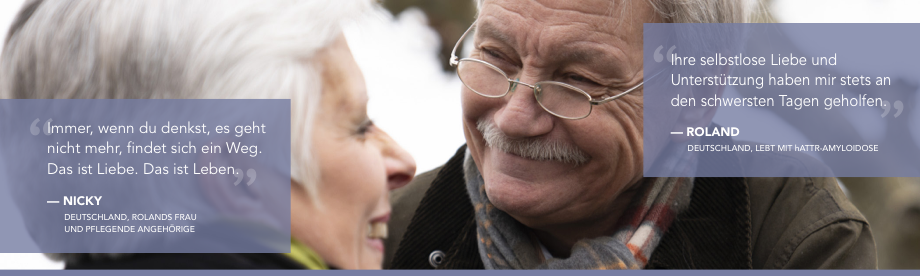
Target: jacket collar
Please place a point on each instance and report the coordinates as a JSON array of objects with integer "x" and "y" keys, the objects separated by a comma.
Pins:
[
  {"x": 444, "y": 223},
  {"x": 714, "y": 231}
]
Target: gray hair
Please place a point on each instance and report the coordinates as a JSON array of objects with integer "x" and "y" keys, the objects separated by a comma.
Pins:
[
  {"x": 704, "y": 11},
  {"x": 134, "y": 49},
  {"x": 542, "y": 148}
]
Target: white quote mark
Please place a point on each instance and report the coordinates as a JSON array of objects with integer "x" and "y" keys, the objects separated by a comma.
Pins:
[
  {"x": 251, "y": 173},
  {"x": 252, "y": 176},
  {"x": 898, "y": 106},
  {"x": 659, "y": 57},
  {"x": 35, "y": 130}
]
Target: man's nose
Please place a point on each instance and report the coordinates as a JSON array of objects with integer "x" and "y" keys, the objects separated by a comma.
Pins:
[
  {"x": 522, "y": 116},
  {"x": 400, "y": 166}
]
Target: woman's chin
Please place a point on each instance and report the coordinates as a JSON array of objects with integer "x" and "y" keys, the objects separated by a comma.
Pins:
[{"x": 373, "y": 254}]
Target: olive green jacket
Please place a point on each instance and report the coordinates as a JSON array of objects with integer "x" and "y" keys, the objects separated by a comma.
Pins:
[{"x": 733, "y": 223}]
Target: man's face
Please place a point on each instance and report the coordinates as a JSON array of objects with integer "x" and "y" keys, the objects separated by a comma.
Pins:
[{"x": 583, "y": 43}]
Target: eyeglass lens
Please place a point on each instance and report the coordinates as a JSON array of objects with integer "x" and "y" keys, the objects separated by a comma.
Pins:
[{"x": 490, "y": 82}]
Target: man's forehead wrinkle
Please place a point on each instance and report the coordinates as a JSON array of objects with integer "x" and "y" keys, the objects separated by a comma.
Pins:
[
  {"x": 485, "y": 28},
  {"x": 593, "y": 11},
  {"x": 518, "y": 14},
  {"x": 598, "y": 20},
  {"x": 497, "y": 24},
  {"x": 543, "y": 35},
  {"x": 589, "y": 46}
]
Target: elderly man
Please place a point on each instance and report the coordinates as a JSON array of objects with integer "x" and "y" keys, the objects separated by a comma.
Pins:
[{"x": 552, "y": 177}]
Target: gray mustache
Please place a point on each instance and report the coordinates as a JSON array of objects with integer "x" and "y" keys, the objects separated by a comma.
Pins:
[{"x": 539, "y": 149}]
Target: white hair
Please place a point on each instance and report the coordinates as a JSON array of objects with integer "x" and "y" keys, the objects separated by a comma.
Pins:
[{"x": 139, "y": 49}]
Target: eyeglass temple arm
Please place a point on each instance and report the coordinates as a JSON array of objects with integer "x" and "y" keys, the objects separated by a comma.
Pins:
[
  {"x": 614, "y": 97},
  {"x": 454, "y": 60}
]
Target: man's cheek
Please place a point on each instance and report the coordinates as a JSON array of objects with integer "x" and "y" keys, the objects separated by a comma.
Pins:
[
  {"x": 469, "y": 109},
  {"x": 475, "y": 106}
]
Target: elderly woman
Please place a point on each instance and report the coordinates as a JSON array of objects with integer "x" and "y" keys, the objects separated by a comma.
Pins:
[{"x": 342, "y": 166}]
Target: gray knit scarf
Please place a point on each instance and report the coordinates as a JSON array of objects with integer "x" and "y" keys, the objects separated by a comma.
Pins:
[{"x": 505, "y": 244}]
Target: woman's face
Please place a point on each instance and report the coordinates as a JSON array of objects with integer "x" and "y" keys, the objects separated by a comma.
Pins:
[{"x": 359, "y": 164}]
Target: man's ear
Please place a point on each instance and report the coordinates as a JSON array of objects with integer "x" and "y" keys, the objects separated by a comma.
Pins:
[{"x": 698, "y": 115}]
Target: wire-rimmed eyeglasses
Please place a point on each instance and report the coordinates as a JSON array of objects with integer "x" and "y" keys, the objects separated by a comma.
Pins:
[{"x": 558, "y": 98}]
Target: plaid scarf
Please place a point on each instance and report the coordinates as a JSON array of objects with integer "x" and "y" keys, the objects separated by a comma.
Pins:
[{"x": 505, "y": 244}]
